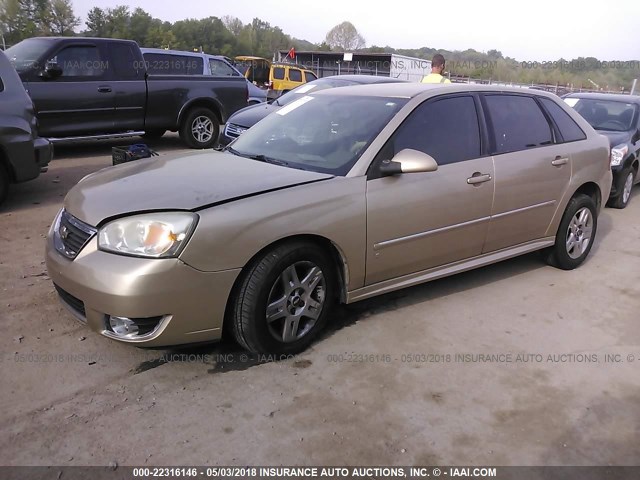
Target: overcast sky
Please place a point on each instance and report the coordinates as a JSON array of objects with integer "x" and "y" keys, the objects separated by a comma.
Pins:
[{"x": 533, "y": 30}]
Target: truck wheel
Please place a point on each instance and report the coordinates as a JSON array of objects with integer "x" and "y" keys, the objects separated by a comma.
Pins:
[
  {"x": 154, "y": 133},
  {"x": 200, "y": 128},
  {"x": 4, "y": 183}
]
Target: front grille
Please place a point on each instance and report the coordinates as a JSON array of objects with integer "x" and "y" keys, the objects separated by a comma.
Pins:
[
  {"x": 74, "y": 303},
  {"x": 71, "y": 234},
  {"x": 232, "y": 130}
]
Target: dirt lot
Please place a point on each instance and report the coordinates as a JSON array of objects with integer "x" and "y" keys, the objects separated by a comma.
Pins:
[{"x": 71, "y": 397}]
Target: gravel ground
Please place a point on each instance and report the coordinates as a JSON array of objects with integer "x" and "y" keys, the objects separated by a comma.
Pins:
[{"x": 397, "y": 380}]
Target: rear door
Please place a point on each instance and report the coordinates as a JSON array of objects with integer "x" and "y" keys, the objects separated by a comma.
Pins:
[
  {"x": 129, "y": 85},
  {"x": 82, "y": 99},
  {"x": 418, "y": 221},
  {"x": 532, "y": 169}
]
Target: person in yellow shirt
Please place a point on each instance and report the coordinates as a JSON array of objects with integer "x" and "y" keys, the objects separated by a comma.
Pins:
[{"x": 437, "y": 67}]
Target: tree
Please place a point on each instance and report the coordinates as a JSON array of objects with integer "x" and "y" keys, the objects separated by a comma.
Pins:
[
  {"x": 344, "y": 37},
  {"x": 233, "y": 24},
  {"x": 96, "y": 23},
  {"x": 63, "y": 20}
]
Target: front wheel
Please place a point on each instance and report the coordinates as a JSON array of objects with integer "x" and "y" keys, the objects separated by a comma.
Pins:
[
  {"x": 576, "y": 233},
  {"x": 622, "y": 200},
  {"x": 284, "y": 299},
  {"x": 200, "y": 128}
]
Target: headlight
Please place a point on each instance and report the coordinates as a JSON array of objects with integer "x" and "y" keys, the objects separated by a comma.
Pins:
[
  {"x": 617, "y": 154},
  {"x": 155, "y": 235}
]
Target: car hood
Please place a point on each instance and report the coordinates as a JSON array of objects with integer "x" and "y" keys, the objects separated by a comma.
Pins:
[
  {"x": 186, "y": 182},
  {"x": 249, "y": 116},
  {"x": 616, "y": 138}
]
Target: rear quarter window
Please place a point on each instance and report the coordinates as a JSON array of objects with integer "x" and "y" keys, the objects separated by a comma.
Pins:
[{"x": 569, "y": 129}]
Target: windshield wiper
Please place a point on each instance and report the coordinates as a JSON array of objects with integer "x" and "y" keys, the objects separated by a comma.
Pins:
[{"x": 258, "y": 157}]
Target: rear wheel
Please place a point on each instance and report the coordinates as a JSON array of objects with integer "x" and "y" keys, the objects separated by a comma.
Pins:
[
  {"x": 575, "y": 235},
  {"x": 284, "y": 299},
  {"x": 200, "y": 128},
  {"x": 622, "y": 200}
]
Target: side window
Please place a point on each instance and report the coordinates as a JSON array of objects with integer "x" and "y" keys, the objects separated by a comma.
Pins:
[
  {"x": 569, "y": 129},
  {"x": 447, "y": 129},
  {"x": 310, "y": 76},
  {"x": 125, "y": 63},
  {"x": 278, "y": 73},
  {"x": 518, "y": 123},
  {"x": 80, "y": 61},
  {"x": 221, "y": 69},
  {"x": 295, "y": 75},
  {"x": 161, "y": 64}
]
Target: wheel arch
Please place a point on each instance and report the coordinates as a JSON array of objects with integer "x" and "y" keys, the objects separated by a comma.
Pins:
[
  {"x": 591, "y": 189},
  {"x": 330, "y": 248},
  {"x": 208, "y": 103},
  {"x": 6, "y": 164}
]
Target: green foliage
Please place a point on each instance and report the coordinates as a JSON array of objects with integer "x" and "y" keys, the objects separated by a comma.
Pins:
[{"x": 20, "y": 19}]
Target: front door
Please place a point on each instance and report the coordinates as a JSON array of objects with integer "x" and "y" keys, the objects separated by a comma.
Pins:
[
  {"x": 418, "y": 221},
  {"x": 79, "y": 101}
]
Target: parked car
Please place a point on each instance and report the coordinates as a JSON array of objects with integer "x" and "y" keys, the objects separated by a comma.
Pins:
[
  {"x": 279, "y": 78},
  {"x": 342, "y": 195},
  {"x": 617, "y": 117},
  {"x": 23, "y": 154},
  {"x": 194, "y": 63},
  {"x": 98, "y": 88},
  {"x": 249, "y": 116}
]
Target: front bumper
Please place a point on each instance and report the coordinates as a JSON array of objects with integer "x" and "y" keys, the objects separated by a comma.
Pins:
[
  {"x": 617, "y": 184},
  {"x": 191, "y": 303}
]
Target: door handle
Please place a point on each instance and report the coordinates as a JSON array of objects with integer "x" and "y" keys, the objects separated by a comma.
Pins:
[
  {"x": 478, "y": 177},
  {"x": 559, "y": 161},
  {"x": 104, "y": 89}
]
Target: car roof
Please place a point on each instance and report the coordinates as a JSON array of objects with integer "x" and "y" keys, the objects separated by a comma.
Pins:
[
  {"x": 363, "y": 79},
  {"x": 616, "y": 97},
  {"x": 171, "y": 52},
  {"x": 413, "y": 89}
]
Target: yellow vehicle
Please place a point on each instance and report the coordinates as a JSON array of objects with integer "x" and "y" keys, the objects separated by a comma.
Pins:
[{"x": 279, "y": 78}]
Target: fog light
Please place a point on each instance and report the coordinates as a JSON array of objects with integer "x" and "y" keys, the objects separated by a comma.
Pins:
[{"x": 123, "y": 326}]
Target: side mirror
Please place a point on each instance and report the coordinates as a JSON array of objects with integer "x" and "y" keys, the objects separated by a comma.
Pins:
[
  {"x": 52, "y": 70},
  {"x": 408, "y": 161}
]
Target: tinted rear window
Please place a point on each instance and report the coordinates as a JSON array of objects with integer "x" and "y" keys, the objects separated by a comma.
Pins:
[
  {"x": 278, "y": 73},
  {"x": 569, "y": 129},
  {"x": 518, "y": 123}
]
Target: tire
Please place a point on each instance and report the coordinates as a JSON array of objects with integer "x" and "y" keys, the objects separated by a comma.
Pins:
[
  {"x": 154, "y": 133},
  {"x": 200, "y": 128},
  {"x": 622, "y": 200},
  {"x": 4, "y": 183},
  {"x": 580, "y": 218},
  {"x": 269, "y": 281}
]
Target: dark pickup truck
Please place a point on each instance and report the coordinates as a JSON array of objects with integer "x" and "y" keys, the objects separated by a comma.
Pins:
[
  {"x": 23, "y": 154},
  {"x": 100, "y": 88}
]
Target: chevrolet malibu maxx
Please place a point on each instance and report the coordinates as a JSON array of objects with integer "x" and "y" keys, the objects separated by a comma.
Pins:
[{"x": 341, "y": 195}]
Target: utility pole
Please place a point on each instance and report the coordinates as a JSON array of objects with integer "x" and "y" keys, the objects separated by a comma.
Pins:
[
  {"x": 633, "y": 86},
  {"x": 4, "y": 45}
]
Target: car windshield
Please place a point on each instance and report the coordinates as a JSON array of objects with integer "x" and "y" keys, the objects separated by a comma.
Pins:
[
  {"x": 311, "y": 87},
  {"x": 27, "y": 53},
  {"x": 609, "y": 115},
  {"x": 322, "y": 133}
]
